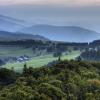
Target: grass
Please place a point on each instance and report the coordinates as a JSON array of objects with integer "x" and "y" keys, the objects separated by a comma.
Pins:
[
  {"x": 14, "y": 51},
  {"x": 40, "y": 61}
]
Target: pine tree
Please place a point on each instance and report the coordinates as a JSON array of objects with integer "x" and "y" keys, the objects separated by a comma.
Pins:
[{"x": 25, "y": 69}]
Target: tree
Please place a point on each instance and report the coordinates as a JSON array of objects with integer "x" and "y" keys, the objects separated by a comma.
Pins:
[
  {"x": 7, "y": 76},
  {"x": 57, "y": 54},
  {"x": 25, "y": 69},
  {"x": 59, "y": 58},
  {"x": 79, "y": 59}
]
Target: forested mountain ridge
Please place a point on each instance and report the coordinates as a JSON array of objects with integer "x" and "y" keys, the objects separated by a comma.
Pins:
[{"x": 14, "y": 36}]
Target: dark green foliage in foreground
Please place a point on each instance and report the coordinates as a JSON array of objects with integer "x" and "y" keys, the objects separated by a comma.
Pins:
[
  {"x": 7, "y": 76},
  {"x": 68, "y": 80}
]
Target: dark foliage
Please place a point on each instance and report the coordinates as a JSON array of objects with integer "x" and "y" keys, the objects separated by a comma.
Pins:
[{"x": 67, "y": 80}]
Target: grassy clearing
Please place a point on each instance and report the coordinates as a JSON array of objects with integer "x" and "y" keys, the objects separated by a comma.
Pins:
[
  {"x": 14, "y": 51},
  {"x": 40, "y": 61}
]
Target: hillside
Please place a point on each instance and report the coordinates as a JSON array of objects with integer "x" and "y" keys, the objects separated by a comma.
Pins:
[
  {"x": 63, "y": 33},
  {"x": 57, "y": 33},
  {"x": 67, "y": 80},
  {"x": 9, "y": 36},
  {"x": 10, "y": 24}
]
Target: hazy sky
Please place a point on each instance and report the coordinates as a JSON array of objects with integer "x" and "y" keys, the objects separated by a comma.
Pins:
[
  {"x": 53, "y": 2},
  {"x": 84, "y": 13}
]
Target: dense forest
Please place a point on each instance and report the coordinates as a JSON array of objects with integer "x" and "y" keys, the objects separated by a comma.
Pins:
[
  {"x": 91, "y": 55},
  {"x": 66, "y": 80}
]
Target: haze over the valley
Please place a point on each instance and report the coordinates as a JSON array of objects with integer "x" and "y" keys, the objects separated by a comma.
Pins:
[{"x": 82, "y": 13}]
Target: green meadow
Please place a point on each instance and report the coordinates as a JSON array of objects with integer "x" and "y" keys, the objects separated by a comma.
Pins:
[
  {"x": 14, "y": 51},
  {"x": 40, "y": 61}
]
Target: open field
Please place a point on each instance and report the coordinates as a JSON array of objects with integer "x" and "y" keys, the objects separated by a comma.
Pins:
[
  {"x": 14, "y": 51},
  {"x": 40, "y": 61}
]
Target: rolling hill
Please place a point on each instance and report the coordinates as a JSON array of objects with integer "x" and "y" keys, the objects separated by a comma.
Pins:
[
  {"x": 57, "y": 33},
  {"x": 9, "y": 36},
  {"x": 63, "y": 33},
  {"x": 10, "y": 24}
]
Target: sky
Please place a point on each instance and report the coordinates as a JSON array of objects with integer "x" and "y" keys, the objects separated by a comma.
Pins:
[
  {"x": 53, "y": 2},
  {"x": 84, "y": 13}
]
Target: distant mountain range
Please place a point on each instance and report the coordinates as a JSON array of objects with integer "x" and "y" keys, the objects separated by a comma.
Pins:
[
  {"x": 63, "y": 33},
  {"x": 58, "y": 33},
  {"x": 8, "y": 36},
  {"x": 10, "y": 24}
]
